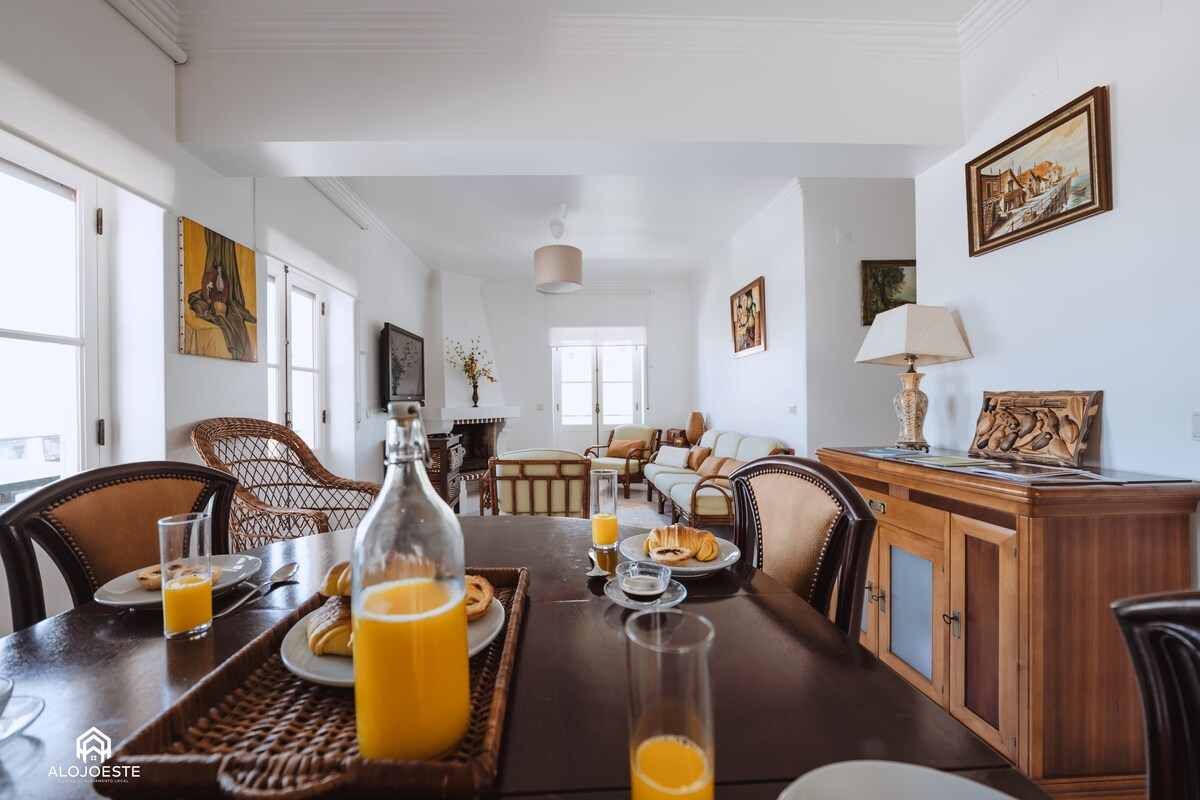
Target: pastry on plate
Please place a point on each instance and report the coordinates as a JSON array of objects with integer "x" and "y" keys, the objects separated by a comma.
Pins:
[
  {"x": 151, "y": 578},
  {"x": 196, "y": 570},
  {"x": 671, "y": 556},
  {"x": 703, "y": 544},
  {"x": 336, "y": 582},
  {"x": 329, "y": 630},
  {"x": 479, "y": 597}
]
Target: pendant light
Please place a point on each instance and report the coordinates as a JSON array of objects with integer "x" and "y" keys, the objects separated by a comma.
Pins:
[{"x": 558, "y": 268}]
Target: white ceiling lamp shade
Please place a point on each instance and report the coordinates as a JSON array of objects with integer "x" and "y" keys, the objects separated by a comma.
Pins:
[{"x": 558, "y": 268}]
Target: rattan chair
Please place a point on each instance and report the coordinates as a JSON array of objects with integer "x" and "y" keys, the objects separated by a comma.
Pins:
[
  {"x": 805, "y": 525},
  {"x": 629, "y": 466},
  {"x": 283, "y": 491},
  {"x": 102, "y": 523},
  {"x": 1163, "y": 634},
  {"x": 539, "y": 483}
]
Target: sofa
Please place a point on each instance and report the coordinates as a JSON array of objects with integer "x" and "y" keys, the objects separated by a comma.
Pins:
[{"x": 707, "y": 500}]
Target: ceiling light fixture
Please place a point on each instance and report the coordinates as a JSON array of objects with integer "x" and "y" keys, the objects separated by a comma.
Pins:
[{"x": 558, "y": 268}]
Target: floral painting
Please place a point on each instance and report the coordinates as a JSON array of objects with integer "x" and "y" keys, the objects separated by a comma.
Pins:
[
  {"x": 218, "y": 300},
  {"x": 747, "y": 313}
]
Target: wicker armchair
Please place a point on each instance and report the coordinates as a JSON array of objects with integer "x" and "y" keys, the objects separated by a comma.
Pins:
[{"x": 283, "y": 491}]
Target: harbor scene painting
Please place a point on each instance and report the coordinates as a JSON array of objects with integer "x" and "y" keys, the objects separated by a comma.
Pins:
[{"x": 1053, "y": 173}]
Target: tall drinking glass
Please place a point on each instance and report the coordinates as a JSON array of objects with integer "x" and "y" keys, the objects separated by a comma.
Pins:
[
  {"x": 604, "y": 517},
  {"x": 184, "y": 543},
  {"x": 670, "y": 705}
]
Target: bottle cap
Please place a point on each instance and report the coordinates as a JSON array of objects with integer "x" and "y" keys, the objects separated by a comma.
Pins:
[{"x": 404, "y": 410}]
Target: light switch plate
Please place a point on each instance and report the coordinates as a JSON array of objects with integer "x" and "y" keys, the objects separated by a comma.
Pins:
[
  {"x": 1196, "y": 426},
  {"x": 792, "y": 409},
  {"x": 541, "y": 407}
]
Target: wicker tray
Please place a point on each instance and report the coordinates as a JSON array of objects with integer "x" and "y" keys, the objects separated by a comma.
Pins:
[{"x": 253, "y": 729}]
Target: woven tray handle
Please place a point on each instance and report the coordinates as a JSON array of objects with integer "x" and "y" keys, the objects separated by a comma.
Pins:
[{"x": 292, "y": 778}]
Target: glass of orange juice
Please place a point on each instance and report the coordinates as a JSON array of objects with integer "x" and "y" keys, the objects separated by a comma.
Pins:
[
  {"x": 604, "y": 509},
  {"x": 670, "y": 705},
  {"x": 184, "y": 543}
]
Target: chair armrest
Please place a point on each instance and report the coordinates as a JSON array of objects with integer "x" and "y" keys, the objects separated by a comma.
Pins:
[
  {"x": 594, "y": 451},
  {"x": 253, "y": 523},
  {"x": 711, "y": 482}
]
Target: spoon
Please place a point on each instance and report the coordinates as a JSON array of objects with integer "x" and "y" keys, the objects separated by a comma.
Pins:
[
  {"x": 280, "y": 575},
  {"x": 595, "y": 571}
]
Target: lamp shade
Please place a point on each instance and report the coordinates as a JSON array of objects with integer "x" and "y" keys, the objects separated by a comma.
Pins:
[
  {"x": 927, "y": 332},
  {"x": 558, "y": 269}
]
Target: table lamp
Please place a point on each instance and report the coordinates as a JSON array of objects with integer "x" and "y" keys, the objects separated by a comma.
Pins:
[{"x": 901, "y": 336}]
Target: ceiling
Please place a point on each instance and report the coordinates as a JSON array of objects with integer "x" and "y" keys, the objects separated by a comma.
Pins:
[{"x": 629, "y": 227}]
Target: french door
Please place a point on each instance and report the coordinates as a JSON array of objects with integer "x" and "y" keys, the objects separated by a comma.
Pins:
[
  {"x": 596, "y": 388},
  {"x": 296, "y": 353}
]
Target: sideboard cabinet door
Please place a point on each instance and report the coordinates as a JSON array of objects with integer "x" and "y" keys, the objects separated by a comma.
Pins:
[
  {"x": 912, "y": 635},
  {"x": 984, "y": 630}
]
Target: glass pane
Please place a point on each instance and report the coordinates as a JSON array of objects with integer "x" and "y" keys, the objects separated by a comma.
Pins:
[
  {"x": 38, "y": 267},
  {"x": 577, "y": 403},
  {"x": 273, "y": 410},
  {"x": 39, "y": 416},
  {"x": 576, "y": 363},
  {"x": 304, "y": 407},
  {"x": 304, "y": 306},
  {"x": 616, "y": 363},
  {"x": 272, "y": 322},
  {"x": 617, "y": 403},
  {"x": 910, "y": 607}
]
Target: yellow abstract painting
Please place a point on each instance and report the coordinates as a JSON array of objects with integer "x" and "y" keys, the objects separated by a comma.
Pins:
[{"x": 218, "y": 303}]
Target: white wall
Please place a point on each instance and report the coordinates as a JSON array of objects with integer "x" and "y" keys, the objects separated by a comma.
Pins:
[
  {"x": 519, "y": 318},
  {"x": 78, "y": 80},
  {"x": 751, "y": 394},
  {"x": 1106, "y": 303},
  {"x": 848, "y": 403}
]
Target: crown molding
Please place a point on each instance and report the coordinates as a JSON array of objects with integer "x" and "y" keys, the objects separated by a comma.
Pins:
[
  {"x": 158, "y": 20},
  {"x": 983, "y": 20},
  {"x": 362, "y": 215},
  {"x": 851, "y": 187},
  {"x": 595, "y": 33},
  {"x": 787, "y": 196}
]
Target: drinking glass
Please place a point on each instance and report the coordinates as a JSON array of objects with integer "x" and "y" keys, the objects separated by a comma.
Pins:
[
  {"x": 670, "y": 705},
  {"x": 604, "y": 509},
  {"x": 184, "y": 543}
]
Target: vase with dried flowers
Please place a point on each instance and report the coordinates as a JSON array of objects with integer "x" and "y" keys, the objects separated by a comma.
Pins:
[{"x": 473, "y": 362}]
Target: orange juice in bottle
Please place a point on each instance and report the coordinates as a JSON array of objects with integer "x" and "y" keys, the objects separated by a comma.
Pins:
[{"x": 411, "y": 674}]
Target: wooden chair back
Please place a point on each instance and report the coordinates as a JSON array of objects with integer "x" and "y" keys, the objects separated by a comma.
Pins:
[
  {"x": 805, "y": 525},
  {"x": 543, "y": 483},
  {"x": 1163, "y": 635},
  {"x": 102, "y": 523}
]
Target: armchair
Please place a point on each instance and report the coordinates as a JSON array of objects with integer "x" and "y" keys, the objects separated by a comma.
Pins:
[
  {"x": 543, "y": 483},
  {"x": 283, "y": 491},
  {"x": 630, "y": 466}
]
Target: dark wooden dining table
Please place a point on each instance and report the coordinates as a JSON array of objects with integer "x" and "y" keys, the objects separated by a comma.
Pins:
[{"x": 791, "y": 692}]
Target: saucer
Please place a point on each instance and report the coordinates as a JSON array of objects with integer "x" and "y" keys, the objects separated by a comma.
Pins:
[
  {"x": 20, "y": 712},
  {"x": 673, "y": 596}
]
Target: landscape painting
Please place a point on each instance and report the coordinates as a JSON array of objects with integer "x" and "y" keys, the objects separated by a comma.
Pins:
[
  {"x": 1055, "y": 172},
  {"x": 218, "y": 295},
  {"x": 887, "y": 285},
  {"x": 747, "y": 312}
]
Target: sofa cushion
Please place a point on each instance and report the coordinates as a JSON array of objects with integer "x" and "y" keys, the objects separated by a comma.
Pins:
[
  {"x": 618, "y": 464},
  {"x": 619, "y": 448},
  {"x": 709, "y": 439},
  {"x": 727, "y": 444},
  {"x": 669, "y": 456},
  {"x": 654, "y": 470},
  {"x": 697, "y": 455},
  {"x": 710, "y": 467},
  {"x": 710, "y": 501},
  {"x": 640, "y": 433},
  {"x": 728, "y": 467},
  {"x": 669, "y": 480},
  {"x": 753, "y": 447}
]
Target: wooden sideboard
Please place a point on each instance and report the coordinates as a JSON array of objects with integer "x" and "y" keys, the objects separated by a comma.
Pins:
[{"x": 992, "y": 597}]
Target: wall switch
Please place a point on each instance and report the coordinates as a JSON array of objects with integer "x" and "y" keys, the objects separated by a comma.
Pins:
[
  {"x": 1196, "y": 426},
  {"x": 792, "y": 409},
  {"x": 843, "y": 236},
  {"x": 541, "y": 407}
]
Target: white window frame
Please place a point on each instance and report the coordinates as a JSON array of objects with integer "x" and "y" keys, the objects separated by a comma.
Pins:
[
  {"x": 288, "y": 278},
  {"x": 597, "y": 427}
]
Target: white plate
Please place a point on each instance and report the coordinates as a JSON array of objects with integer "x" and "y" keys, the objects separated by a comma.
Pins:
[
  {"x": 673, "y": 596},
  {"x": 634, "y": 548},
  {"x": 852, "y": 780},
  {"x": 18, "y": 715},
  {"x": 126, "y": 592},
  {"x": 339, "y": 670}
]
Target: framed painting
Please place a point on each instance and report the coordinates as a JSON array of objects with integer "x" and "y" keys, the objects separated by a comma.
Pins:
[
  {"x": 886, "y": 285},
  {"x": 218, "y": 303},
  {"x": 1038, "y": 427},
  {"x": 748, "y": 318},
  {"x": 1055, "y": 172}
]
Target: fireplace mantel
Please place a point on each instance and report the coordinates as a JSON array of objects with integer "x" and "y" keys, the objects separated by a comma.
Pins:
[{"x": 468, "y": 414}]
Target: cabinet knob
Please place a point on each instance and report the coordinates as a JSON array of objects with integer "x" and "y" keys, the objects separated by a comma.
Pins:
[{"x": 876, "y": 506}]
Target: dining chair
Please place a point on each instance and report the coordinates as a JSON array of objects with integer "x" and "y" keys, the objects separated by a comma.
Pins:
[
  {"x": 1163, "y": 635},
  {"x": 540, "y": 483},
  {"x": 283, "y": 491},
  {"x": 805, "y": 525},
  {"x": 102, "y": 523}
]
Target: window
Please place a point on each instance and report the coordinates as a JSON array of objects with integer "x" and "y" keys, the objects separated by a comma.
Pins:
[
  {"x": 49, "y": 333},
  {"x": 296, "y": 306},
  {"x": 599, "y": 375}
]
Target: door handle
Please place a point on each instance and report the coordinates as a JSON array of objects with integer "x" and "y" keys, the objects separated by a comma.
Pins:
[
  {"x": 954, "y": 620},
  {"x": 881, "y": 597}
]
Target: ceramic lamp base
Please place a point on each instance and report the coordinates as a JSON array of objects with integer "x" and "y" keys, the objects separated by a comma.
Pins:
[{"x": 911, "y": 404}]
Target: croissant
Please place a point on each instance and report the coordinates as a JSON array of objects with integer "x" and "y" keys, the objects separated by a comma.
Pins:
[
  {"x": 703, "y": 544},
  {"x": 330, "y": 631},
  {"x": 336, "y": 582}
]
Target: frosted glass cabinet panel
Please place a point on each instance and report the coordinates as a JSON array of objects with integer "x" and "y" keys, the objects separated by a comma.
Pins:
[{"x": 912, "y": 635}]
